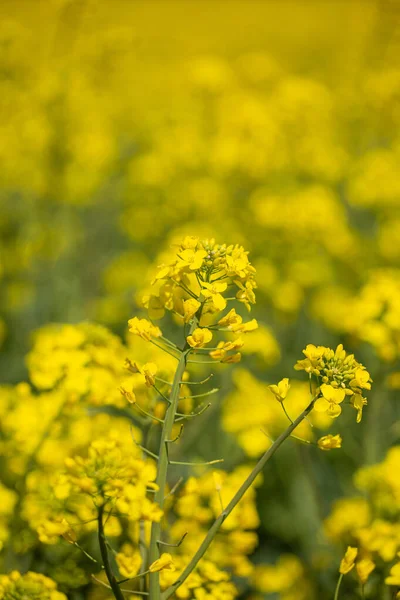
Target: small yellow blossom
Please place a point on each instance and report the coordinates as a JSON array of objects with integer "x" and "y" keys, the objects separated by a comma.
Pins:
[
  {"x": 165, "y": 562},
  {"x": 149, "y": 371},
  {"x": 69, "y": 534},
  {"x": 330, "y": 400},
  {"x": 190, "y": 308},
  {"x": 361, "y": 379},
  {"x": 281, "y": 389},
  {"x": 347, "y": 562},
  {"x": 129, "y": 396},
  {"x": 143, "y": 328},
  {"x": 364, "y": 568},
  {"x": 199, "y": 337},
  {"x": 192, "y": 259},
  {"x": 224, "y": 347},
  {"x": 358, "y": 402},
  {"x": 245, "y": 327},
  {"x": 189, "y": 242},
  {"x": 246, "y": 293},
  {"x": 163, "y": 272},
  {"x": 230, "y": 319},
  {"x": 232, "y": 358},
  {"x": 214, "y": 291},
  {"x": 330, "y": 442},
  {"x": 314, "y": 353}
]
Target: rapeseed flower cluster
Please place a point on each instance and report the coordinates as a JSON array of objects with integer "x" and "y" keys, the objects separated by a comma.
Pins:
[{"x": 339, "y": 375}]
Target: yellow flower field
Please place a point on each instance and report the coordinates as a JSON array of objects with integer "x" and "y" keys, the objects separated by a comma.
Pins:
[{"x": 199, "y": 299}]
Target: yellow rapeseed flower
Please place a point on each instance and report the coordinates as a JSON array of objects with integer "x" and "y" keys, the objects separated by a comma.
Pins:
[
  {"x": 231, "y": 319},
  {"x": 143, "y": 328},
  {"x": 190, "y": 308},
  {"x": 330, "y": 400},
  {"x": 165, "y": 562},
  {"x": 347, "y": 562},
  {"x": 213, "y": 291},
  {"x": 199, "y": 338},
  {"x": 329, "y": 442},
  {"x": 281, "y": 389}
]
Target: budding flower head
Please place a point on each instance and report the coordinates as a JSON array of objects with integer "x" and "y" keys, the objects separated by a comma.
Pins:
[
  {"x": 206, "y": 269},
  {"x": 339, "y": 375},
  {"x": 347, "y": 562}
]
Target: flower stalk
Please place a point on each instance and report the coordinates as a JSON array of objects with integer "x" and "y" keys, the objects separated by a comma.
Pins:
[
  {"x": 105, "y": 557},
  {"x": 163, "y": 460},
  {"x": 235, "y": 500}
]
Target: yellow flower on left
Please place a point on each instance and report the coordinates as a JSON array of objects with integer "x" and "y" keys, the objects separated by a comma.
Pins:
[
  {"x": 280, "y": 391},
  {"x": 199, "y": 337},
  {"x": 144, "y": 329},
  {"x": 165, "y": 562}
]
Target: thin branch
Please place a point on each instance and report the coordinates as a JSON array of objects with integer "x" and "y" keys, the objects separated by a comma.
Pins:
[
  {"x": 135, "y": 577},
  {"x": 105, "y": 558},
  {"x": 122, "y": 590},
  {"x": 161, "y": 543},
  {"x": 285, "y": 411},
  {"x": 85, "y": 553},
  {"x": 235, "y": 500},
  {"x": 182, "y": 417},
  {"x": 209, "y": 393},
  {"x": 163, "y": 381},
  {"x": 143, "y": 449},
  {"x": 196, "y": 464},
  {"x": 167, "y": 400},
  {"x": 175, "y": 438},
  {"x": 164, "y": 349},
  {"x": 174, "y": 488},
  {"x": 198, "y": 382},
  {"x": 144, "y": 412}
]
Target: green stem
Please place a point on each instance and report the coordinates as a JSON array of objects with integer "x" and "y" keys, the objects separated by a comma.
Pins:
[
  {"x": 161, "y": 480},
  {"x": 338, "y": 586},
  {"x": 105, "y": 558},
  {"x": 285, "y": 411},
  {"x": 233, "y": 503}
]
